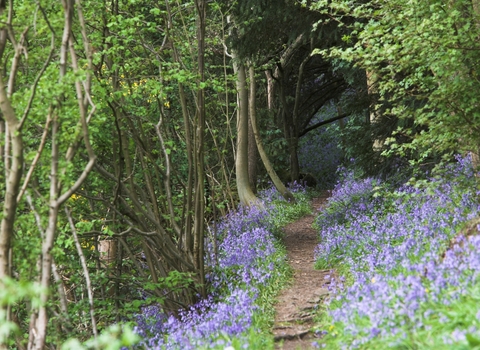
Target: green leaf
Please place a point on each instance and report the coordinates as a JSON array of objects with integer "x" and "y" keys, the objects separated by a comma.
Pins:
[{"x": 473, "y": 340}]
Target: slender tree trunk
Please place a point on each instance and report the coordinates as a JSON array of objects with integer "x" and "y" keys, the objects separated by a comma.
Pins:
[
  {"x": 41, "y": 323},
  {"x": 294, "y": 162},
  {"x": 270, "y": 89},
  {"x": 245, "y": 193},
  {"x": 201, "y": 6},
  {"x": 291, "y": 135},
  {"x": 13, "y": 176},
  {"x": 244, "y": 190},
  {"x": 187, "y": 236},
  {"x": 186, "y": 242},
  {"x": 252, "y": 147},
  {"x": 266, "y": 162},
  {"x": 282, "y": 72},
  {"x": 40, "y": 327},
  {"x": 86, "y": 274},
  {"x": 12, "y": 153}
]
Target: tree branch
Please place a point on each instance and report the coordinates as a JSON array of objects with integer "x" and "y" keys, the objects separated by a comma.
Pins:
[
  {"x": 323, "y": 122},
  {"x": 85, "y": 271}
]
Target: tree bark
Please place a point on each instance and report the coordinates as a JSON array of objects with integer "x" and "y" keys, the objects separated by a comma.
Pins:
[
  {"x": 245, "y": 193},
  {"x": 266, "y": 162},
  {"x": 291, "y": 134},
  {"x": 282, "y": 72},
  {"x": 201, "y": 6},
  {"x": 293, "y": 127},
  {"x": 13, "y": 177},
  {"x": 86, "y": 274},
  {"x": 252, "y": 147},
  {"x": 13, "y": 157},
  {"x": 270, "y": 89}
]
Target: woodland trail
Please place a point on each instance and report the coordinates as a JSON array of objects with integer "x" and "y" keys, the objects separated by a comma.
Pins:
[{"x": 295, "y": 307}]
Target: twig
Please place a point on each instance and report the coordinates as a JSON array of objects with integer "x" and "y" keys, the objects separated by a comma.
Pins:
[{"x": 85, "y": 271}]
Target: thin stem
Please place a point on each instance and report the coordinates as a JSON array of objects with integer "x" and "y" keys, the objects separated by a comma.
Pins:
[{"x": 83, "y": 261}]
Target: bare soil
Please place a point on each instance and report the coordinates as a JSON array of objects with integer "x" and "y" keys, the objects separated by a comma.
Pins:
[{"x": 296, "y": 304}]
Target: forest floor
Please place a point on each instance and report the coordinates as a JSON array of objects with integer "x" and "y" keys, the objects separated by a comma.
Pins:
[{"x": 296, "y": 304}]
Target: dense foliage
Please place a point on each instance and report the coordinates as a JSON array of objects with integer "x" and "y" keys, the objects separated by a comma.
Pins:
[{"x": 421, "y": 65}]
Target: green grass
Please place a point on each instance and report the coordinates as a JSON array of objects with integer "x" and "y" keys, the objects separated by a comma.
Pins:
[{"x": 286, "y": 212}]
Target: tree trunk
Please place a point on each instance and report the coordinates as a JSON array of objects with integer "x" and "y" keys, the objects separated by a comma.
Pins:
[
  {"x": 281, "y": 74},
  {"x": 12, "y": 156},
  {"x": 266, "y": 162},
  {"x": 294, "y": 163},
  {"x": 13, "y": 176},
  {"x": 201, "y": 6},
  {"x": 270, "y": 89},
  {"x": 252, "y": 147},
  {"x": 245, "y": 193},
  {"x": 291, "y": 135}
]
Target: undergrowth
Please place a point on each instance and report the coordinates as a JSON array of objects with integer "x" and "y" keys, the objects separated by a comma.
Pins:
[
  {"x": 410, "y": 274},
  {"x": 247, "y": 270}
]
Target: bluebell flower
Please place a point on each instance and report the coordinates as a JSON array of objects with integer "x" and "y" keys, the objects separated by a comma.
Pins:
[{"x": 399, "y": 252}]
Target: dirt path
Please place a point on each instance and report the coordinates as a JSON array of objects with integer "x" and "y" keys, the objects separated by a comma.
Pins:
[{"x": 296, "y": 303}]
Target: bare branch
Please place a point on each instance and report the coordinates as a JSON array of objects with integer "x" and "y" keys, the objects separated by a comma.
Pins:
[
  {"x": 19, "y": 49},
  {"x": 85, "y": 271},
  {"x": 43, "y": 141},
  {"x": 83, "y": 176},
  {"x": 33, "y": 89},
  {"x": 323, "y": 122}
]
